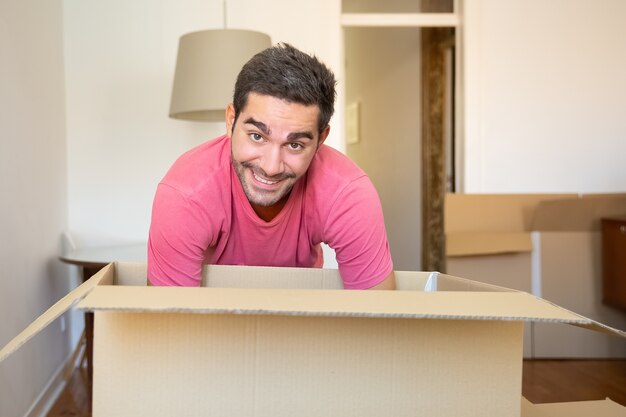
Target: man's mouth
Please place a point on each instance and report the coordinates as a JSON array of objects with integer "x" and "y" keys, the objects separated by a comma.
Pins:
[{"x": 263, "y": 180}]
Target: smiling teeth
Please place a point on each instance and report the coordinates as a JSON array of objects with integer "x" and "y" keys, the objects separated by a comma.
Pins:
[{"x": 264, "y": 181}]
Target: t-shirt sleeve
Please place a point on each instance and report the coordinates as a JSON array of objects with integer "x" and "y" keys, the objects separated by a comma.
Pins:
[
  {"x": 356, "y": 231},
  {"x": 180, "y": 233}
]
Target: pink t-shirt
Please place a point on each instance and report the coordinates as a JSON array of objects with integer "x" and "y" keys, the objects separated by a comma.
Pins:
[{"x": 201, "y": 216}]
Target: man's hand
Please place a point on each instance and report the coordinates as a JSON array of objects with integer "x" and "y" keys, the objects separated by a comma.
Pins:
[{"x": 388, "y": 283}]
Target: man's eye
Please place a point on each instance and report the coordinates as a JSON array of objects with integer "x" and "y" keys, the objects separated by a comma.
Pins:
[
  {"x": 255, "y": 137},
  {"x": 294, "y": 146}
]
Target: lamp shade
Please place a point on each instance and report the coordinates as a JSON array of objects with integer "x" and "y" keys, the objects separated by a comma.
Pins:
[{"x": 207, "y": 66}]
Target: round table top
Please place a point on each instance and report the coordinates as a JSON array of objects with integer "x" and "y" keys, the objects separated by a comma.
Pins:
[{"x": 101, "y": 255}]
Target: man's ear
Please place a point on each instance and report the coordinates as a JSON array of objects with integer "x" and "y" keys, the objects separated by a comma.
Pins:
[
  {"x": 230, "y": 119},
  {"x": 323, "y": 136}
]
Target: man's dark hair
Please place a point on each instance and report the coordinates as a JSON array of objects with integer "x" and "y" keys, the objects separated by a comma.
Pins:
[{"x": 284, "y": 72}]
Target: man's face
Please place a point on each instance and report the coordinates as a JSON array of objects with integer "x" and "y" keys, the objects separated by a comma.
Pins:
[{"x": 273, "y": 143}]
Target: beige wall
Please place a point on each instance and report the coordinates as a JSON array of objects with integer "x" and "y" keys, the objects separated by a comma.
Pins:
[
  {"x": 383, "y": 75},
  {"x": 33, "y": 193}
]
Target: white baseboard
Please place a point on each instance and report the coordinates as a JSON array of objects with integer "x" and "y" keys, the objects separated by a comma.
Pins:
[{"x": 46, "y": 399}]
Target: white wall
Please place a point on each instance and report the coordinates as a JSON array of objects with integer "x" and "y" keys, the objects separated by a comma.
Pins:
[
  {"x": 386, "y": 82},
  {"x": 120, "y": 59},
  {"x": 33, "y": 188},
  {"x": 545, "y": 101}
]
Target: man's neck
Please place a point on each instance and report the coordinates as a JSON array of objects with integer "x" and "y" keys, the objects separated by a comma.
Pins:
[{"x": 268, "y": 213}]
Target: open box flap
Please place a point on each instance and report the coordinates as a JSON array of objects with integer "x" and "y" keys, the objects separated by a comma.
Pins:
[
  {"x": 602, "y": 328},
  {"x": 590, "y": 324},
  {"x": 487, "y": 243},
  {"x": 306, "y": 302},
  {"x": 60, "y": 307}
]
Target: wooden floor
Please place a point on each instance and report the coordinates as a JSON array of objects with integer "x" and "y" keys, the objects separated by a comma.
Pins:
[
  {"x": 547, "y": 381},
  {"x": 75, "y": 400},
  {"x": 544, "y": 381}
]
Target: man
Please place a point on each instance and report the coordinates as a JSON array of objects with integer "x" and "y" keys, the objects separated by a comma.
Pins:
[{"x": 269, "y": 191}]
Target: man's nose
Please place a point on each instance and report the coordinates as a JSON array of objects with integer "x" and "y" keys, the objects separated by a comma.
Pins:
[{"x": 272, "y": 162}]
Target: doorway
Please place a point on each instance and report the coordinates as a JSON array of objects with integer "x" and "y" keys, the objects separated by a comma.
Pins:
[{"x": 399, "y": 118}]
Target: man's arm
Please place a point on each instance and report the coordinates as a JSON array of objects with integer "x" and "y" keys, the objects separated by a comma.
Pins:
[
  {"x": 356, "y": 230},
  {"x": 179, "y": 234},
  {"x": 388, "y": 283}
]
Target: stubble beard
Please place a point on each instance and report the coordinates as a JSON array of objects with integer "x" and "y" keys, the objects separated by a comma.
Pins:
[{"x": 261, "y": 197}]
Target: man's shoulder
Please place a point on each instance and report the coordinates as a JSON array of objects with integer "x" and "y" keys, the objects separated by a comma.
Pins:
[
  {"x": 210, "y": 151},
  {"x": 333, "y": 179},
  {"x": 330, "y": 165},
  {"x": 200, "y": 167}
]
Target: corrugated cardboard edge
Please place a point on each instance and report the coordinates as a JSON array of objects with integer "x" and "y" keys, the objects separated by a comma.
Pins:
[
  {"x": 487, "y": 243},
  {"x": 64, "y": 304},
  {"x": 587, "y": 323},
  {"x": 448, "y": 305},
  {"x": 600, "y": 408}
]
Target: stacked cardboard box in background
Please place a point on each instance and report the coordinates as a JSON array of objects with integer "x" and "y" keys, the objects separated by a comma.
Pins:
[{"x": 545, "y": 244}]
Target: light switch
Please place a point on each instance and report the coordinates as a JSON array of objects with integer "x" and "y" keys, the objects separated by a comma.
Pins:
[{"x": 352, "y": 123}]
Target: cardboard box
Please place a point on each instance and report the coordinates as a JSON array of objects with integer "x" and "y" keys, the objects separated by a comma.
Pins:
[
  {"x": 488, "y": 238},
  {"x": 296, "y": 344},
  {"x": 600, "y": 408},
  {"x": 568, "y": 256},
  {"x": 545, "y": 244}
]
